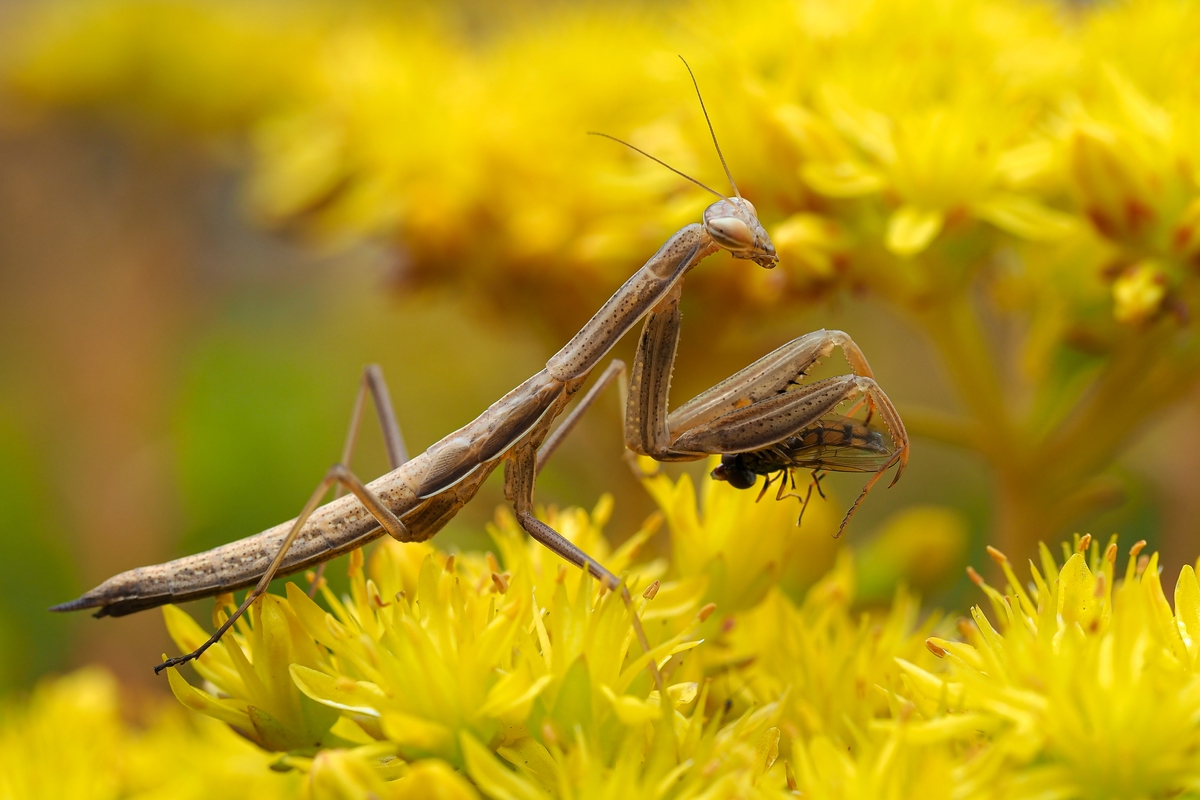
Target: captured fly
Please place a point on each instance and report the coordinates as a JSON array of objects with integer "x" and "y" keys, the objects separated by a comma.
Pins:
[{"x": 828, "y": 445}]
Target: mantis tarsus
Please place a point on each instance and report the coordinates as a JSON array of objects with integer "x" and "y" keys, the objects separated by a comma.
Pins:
[{"x": 753, "y": 411}]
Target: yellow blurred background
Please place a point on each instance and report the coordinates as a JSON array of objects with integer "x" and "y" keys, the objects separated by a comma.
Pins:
[{"x": 213, "y": 215}]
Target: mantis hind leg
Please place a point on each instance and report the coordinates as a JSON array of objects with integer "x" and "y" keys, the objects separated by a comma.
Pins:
[
  {"x": 372, "y": 382},
  {"x": 341, "y": 477},
  {"x": 338, "y": 474}
]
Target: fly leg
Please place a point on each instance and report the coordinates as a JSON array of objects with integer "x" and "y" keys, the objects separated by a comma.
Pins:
[
  {"x": 817, "y": 475},
  {"x": 372, "y": 381}
]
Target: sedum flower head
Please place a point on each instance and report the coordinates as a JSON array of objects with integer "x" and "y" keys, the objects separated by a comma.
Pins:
[
  {"x": 428, "y": 651},
  {"x": 1083, "y": 684},
  {"x": 515, "y": 676}
]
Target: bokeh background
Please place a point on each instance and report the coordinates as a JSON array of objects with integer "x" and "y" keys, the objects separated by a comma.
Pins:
[{"x": 212, "y": 215}]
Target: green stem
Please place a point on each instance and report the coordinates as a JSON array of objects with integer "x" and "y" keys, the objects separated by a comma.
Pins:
[
  {"x": 953, "y": 326},
  {"x": 942, "y": 427}
]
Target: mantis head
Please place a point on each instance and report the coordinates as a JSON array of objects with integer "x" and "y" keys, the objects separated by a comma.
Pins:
[{"x": 732, "y": 222}]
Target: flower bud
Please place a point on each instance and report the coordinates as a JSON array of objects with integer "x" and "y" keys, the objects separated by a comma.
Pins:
[{"x": 1139, "y": 292}]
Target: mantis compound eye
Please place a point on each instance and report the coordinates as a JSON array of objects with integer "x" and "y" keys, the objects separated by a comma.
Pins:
[{"x": 731, "y": 233}]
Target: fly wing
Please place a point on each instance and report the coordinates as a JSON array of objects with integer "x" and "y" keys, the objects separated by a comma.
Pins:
[
  {"x": 840, "y": 459},
  {"x": 838, "y": 444}
]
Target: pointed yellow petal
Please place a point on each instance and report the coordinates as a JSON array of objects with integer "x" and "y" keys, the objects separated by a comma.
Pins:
[
  {"x": 765, "y": 753},
  {"x": 513, "y": 694},
  {"x": 911, "y": 229},
  {"x": 1077, "y": 593},
  {"x": 431, "y": 779},
  {"x": 1187, "y": 602},
  {"x": 224, "y": 710},
  {"x": 1025, "y": 217},
  {"x": 630, "y": 710},
  {"x": 1160, "y": 611},
  {"x": 496, "y": 780},
  {"x": 358, "y": 697}
]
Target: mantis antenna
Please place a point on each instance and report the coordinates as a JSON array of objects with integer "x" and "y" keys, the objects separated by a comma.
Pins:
[
  {"x": 711, "y": 132},
  {"x": 659, "y": 161}
]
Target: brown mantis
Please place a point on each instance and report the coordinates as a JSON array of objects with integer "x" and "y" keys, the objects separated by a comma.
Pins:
[{"x": 752, "y": 411}]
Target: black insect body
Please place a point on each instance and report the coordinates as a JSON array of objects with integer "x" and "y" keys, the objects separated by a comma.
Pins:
[{"x": 837, "y": 445}]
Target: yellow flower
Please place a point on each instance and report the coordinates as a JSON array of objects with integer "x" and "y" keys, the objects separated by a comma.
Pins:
[
  {"x": 1087, "y": 687},
  {"x": 251, "y": 668},
  {"x": 733, "y": 547},
  {"x": 825, "y": 660},
  {"x": 429, "y": 648},
  {"x": 1138, "y": 293},
  {"x": 70, "y": 740}
]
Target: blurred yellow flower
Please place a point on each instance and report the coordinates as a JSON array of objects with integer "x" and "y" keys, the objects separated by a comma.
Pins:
[
  {"x": 1139, "y": 292},
  {"x": 70, "y": 740}
]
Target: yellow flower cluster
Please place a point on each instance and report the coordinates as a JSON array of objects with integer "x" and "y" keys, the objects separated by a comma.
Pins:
[
  {"x": 517, "y": 674},
  {"x": 470, "y": 675},
  {"x": 71, "y": 740},
  {"x": 1087, "y": 685},
  {"x": 867, "y": 133}
]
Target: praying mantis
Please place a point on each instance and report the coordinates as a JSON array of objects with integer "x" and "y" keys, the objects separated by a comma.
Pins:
[{"x": 765, "y": 408}]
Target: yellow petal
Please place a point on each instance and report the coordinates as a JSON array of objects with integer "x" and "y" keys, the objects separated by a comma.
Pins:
[
  {"x": 911, "y": 229},
  {"x": 358, "y": 697},
  {"x": 1077, "y": 600},
  {"x": 344, "y": 775},
  {"x": 531, "y": 757},
  {"x": 765, "y": 753},
  {"x": 631, "y": 710},
  {"x": 843, "y": 179},
  {"x": 513, "y": 694},
  {"x": 1025, "y": 217},
  {"x": 431, "y": 779},
  {"x": 1160, "y": 611},
  {"x": 225, "y": 710},
  {"x": 496, "y": 780},
  {"x": 1187, "y": 602},
  {"x": 417, "y": 734},
  {"x": 273, "y": 734}
]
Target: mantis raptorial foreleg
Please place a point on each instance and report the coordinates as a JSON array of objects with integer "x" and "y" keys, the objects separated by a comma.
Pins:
[{"x": 756, "y": 407}]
